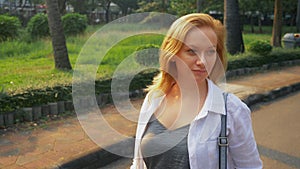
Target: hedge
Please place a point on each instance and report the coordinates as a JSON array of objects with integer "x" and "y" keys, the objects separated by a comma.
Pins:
[{"x": 140, "y": 81}]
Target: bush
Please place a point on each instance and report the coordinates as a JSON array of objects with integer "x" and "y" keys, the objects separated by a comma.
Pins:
[
  {"x": 147, "y": 55},
  {"x": 9, "y": 26},
  {"x": 255, "y": 60},
  {"x": 74, "y": 23},
  {"x": 38, "y": 26},
  {"x": 260, "y": 47}
]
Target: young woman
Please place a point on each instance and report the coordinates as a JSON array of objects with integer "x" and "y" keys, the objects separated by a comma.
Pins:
[{"x": 179, "y": 121}]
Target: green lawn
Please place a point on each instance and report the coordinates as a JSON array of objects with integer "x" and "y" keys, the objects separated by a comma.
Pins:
[{"x": 31, "y": 65}]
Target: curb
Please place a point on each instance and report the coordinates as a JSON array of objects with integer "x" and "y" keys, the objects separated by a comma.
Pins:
[{"x": 102, "y": 157}]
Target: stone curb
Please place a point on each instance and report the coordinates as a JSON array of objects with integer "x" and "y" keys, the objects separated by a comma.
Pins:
[
  {"x": 253, "y": 99},
  {"x": 101, "y": 157}
]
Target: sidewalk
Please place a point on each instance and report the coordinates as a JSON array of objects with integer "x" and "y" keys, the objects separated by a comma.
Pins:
[{"x": 64, "y": 144}]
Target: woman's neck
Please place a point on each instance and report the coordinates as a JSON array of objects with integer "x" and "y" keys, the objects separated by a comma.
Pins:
[{"x": 201, "y": 89}]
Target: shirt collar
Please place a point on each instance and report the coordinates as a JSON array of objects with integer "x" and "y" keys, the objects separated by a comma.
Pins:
[{"x": 214, "y": 101}]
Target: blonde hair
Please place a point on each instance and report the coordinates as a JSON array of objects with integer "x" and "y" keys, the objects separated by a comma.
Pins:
[{"x": 173, "y": 42}]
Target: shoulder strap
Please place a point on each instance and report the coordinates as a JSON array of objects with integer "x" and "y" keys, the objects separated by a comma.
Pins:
[{"x": 222, "y": 140}]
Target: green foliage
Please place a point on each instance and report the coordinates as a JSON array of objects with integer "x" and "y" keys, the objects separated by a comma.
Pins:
[
  {"x": 147, "y": 55},
  {"x": 9, "y": 26},
  {"x": 260, "y": 47},
  {"x": 254, "y": 60},
  {"x": 33, "y": 97},
  {"x": 156, "y": 6},
  {"x": 38, "y": 26},
  {"x": 183, "y": 7},
  {"x": 74, "y": 23},
  {"x": 29, "y": 78}
]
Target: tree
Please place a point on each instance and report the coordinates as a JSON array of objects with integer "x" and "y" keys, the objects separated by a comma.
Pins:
[
  {"x": 80, "y": 6},
  {"x": 58, "y": 38},
  {"x": 106, "y": 6},
  {"x": 234, "y": 40},
  {"x": 289, "y": 8},
  {"x": 183, "y": 7},
  {"x": 154, "y": 5},
  {"x": 277, "y": 24},
  {"x": 298, "y": 17},
  {"x": 255, "y": 10},
  {"x": 62, "y": 6},
  {"x": 126, "y": 5}
]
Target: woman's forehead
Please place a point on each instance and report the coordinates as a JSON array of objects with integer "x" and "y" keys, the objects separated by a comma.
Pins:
[{"x": 201, "y": 37}]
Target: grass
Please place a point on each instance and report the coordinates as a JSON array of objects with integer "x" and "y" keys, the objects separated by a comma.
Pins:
[
  {"x": 268, "y": 29},
  {"x": 31, "y": 65}
]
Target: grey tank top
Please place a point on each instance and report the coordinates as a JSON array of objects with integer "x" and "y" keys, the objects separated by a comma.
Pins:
[{"x": 165, "y": 149}]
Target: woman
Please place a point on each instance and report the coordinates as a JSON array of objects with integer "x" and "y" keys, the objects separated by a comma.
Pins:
[{"x": 179, "y": 121}]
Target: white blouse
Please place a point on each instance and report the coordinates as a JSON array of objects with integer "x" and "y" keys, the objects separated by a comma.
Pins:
[{"x": 204, "y": 130}]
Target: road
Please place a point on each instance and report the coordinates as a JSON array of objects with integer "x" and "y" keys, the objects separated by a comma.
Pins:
[{"x": 276, "y": 127}]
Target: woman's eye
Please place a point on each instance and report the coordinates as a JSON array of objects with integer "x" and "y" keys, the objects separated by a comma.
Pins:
[
  {"x": 211, "y": 52},
  {"x": 191, "y": 52}
]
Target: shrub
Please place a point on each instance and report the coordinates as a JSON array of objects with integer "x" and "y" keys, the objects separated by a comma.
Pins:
[
  {"x": 260, "y": 47},
  {"x": 147, "y": 55},
  {"x": 9, "y": 26},
  {"x": 38, "y": 26},
  {"x": 74, "y": 23},
  {"x": 254, "y": 60}
]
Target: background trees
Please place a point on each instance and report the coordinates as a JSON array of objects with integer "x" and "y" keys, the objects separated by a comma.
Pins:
[{"x": 254, "y": 13}]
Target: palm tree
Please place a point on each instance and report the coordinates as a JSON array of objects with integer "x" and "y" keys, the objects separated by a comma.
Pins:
[
  {"x": 277, "y": 24},
  {"x": 58, "y": 38},
  {"x": 234, "y": 40}
]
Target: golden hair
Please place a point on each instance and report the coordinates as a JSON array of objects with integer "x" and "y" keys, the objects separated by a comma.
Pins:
[{"x": 173, "y": 42}]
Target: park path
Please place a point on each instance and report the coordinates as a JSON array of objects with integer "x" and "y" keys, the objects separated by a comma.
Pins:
[
  {"x": 276, "y": 128},
  {"x": 62, "y": 141}
]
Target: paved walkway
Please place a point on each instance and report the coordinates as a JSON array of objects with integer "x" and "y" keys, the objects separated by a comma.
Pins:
[
  {"x": 52, "y": 144},
  {"x": 276, "y": 128}
]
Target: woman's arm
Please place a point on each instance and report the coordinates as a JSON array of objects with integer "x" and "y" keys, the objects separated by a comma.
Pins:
[{"x": 242, "y": 145}]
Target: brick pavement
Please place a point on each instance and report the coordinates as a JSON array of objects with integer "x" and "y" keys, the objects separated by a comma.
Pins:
[{"x": 63, "y": 141}]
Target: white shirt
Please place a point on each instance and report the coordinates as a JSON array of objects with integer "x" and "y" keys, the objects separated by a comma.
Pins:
[{"x": 205, "y": 129}]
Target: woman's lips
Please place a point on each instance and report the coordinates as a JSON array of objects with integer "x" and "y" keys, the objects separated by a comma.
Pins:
[{"x": 200, "y": 71}]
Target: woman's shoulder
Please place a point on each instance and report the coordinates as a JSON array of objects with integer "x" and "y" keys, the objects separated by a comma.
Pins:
[
  {"x": 235, "y": 105},
  {"x": 152, "y": 97}
]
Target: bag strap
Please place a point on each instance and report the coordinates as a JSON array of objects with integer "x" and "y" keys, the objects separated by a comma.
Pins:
[{"x": 222, "y": 139}]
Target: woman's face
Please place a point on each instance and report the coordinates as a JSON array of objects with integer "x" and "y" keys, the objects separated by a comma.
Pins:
[{"x": 198, "y": 53}]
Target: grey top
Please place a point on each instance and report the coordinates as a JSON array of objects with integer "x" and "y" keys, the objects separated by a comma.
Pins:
[{"x": 165, "y": 149}]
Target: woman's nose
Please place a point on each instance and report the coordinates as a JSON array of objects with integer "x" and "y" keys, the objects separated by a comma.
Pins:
[{"x": 200, "y": 61}]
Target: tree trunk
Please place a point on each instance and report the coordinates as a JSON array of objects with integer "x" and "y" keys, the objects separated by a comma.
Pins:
[
  {"x": 62, "y": 7},
  {"x": 277, "y": 24},
  {"x": 298, "y": 17},
  {"x": 234, "y": 41},
  {"x": 107, "y": 11},
  {"x": 252, "y": 23},
  {"x": 58, "y": 38},
  {"x": 259, "y": 23}
]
